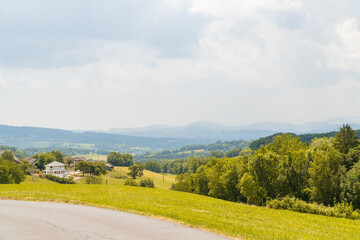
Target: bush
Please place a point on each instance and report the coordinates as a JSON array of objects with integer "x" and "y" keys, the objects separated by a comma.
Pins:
[
  {"x": 131, "y": 182},
  {"x": 118, "y": 175},
  {"x": 341, "y": 210},
  {"x": 10, "y": 172},
  {"x": 93, "y": 180},
  {"x": 59, "y": 180},
  {"x": 147, "y": 183}
]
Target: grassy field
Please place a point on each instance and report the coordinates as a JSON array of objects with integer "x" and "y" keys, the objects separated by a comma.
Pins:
[
  {"x": 159, "y": 181},
  {"x": 227, "y": 218},
  {"x": 94, "y": 157}
]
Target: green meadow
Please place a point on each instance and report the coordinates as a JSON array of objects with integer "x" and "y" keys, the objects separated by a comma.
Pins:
[{"x": 235, "y": 220}]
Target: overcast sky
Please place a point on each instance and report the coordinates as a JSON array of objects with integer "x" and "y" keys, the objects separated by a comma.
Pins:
[{"x": 89, "y": 64}]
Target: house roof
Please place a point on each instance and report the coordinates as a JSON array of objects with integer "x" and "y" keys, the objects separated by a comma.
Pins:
[
  {"x": 30, "y": 160},
  {"x": 16, "y": 159},
  {"x": 55, "y": 164}
]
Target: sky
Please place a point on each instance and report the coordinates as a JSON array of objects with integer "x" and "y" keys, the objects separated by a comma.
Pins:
[{"x": 91, "y": 64}]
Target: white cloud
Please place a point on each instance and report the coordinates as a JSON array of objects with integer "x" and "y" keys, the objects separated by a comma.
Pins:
[
  {"x": 242, "y": 62},
  {"x": 3, "y": 82},
  {"x": 241, "y": 8},
  {"x": 344, "y": 54},
  {"x": 36, "y": 84}
]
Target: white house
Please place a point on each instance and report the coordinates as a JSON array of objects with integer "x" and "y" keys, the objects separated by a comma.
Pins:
[{"x": 57, "y": 169}]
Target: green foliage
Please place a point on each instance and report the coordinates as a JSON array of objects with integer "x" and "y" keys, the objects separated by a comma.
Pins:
[
  {"x": 251, "y": 190},
  {"x": 136, "y": 170},
  {"x": 131, "y": 182},
  {"x": 326, "y": 172},
  {"x": 233, "y": 152},
  {"x": 94, "y": 168},
  {"x": 147, "y": 182},
  {"x": 118, "y": 175},
  {"x": 218, "y": 178},
  {"x": 305, "y": 138},
  {"x": 352, "y": 185},
  {"x": 119, "y": 159},
  {"x": 93, "y": 180},
  {"x": 352, "y": 157},
  {"x": 346, "y": 139},
  {"x": 8, "y": 155},
  {"x": 59, "y": 156},
  {"x": 44, "y": 159},
  {"x": 217, "y": 148},
  {"x": 10, "y": 172},
  {"x": 59, "y": 180},
  {"x": 341, "y": 210},
  {"x": 217, "y": 154},
  {"x": 153, "y": 166}
]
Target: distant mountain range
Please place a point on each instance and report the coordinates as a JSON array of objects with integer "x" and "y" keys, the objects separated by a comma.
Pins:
[
  {"x": 34, "y": 137},
  {"x": 153, "y": 138},
  {"x": 213, "y": 131}
]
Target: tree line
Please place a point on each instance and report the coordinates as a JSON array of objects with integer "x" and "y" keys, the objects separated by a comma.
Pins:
[
  {"x": 327, "y": 171},
  {"x": 196, "y": 150}
]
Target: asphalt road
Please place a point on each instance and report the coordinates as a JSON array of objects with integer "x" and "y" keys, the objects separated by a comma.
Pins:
[{"x": 24, "y": 220}]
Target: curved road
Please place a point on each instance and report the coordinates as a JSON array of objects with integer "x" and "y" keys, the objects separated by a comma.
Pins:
[{"x": 43, "y": 220}]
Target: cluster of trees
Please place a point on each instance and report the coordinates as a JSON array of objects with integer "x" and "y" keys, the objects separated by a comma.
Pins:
[
  {"x": 46, "y": 158},
  {"x": 308, "y": 137},
  {"x": 10, "y": 172},
  {"x": 120, "y": 159},
  {"x": 93, "y": 168},
  {"x": 177, "y": 166},
  {"x": 191, "y": 164},
  {"x": 326, "y": 171},
  {"x": 17, "y": 152}
]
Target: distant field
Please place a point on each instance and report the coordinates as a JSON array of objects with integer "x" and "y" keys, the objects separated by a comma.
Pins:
[
  {"x": 157, "y": 177},
  {"x": 94, "y": 157},
  {"x": 159, "y": 181},
  {"x": 228, "y": 218}
]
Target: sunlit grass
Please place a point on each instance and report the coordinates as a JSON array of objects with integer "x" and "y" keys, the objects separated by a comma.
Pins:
[{"x": 227, "y": 218}]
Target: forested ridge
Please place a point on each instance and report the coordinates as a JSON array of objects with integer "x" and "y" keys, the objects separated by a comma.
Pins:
[
  {"x": 198, "y": 150},
  {"x": 308, "y": 137}
]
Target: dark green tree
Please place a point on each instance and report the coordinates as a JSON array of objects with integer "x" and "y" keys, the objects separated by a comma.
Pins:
[
  {"x": 8, "y": 155},
  {"x": 136, "y": 170},
  {"x": 83, "y": 167},
  {"x": 115, "y": 158},
  {"x": 327, "y": 174},
  {"x": 44, "y": 159},
  {"x": 59, "y": 156},
  {"x": 352, "y": 186},
  {"x": 153, "y": 166},
  {"x": 10, "y": 172},
  {"x": 233, "y": 152},
  {"x": 346, "y": 139}
]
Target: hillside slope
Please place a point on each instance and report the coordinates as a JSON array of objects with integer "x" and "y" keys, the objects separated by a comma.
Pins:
[{"x": 228, "y": 218}]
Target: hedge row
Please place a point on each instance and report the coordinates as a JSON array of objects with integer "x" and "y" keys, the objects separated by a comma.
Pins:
[{"x": 341, "y": 210}]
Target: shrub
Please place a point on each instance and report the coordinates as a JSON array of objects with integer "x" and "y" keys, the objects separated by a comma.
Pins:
[
  {"x": 93, "y": 180},
  {"x": 118, "y": 175},
  {"x": 59, "y": 180},
  {"x": 131, "y": 182},
  {"x": 147, "y": 183},
  {"x": 341, "y": 210},
  {"x": 10, "y": 172}
]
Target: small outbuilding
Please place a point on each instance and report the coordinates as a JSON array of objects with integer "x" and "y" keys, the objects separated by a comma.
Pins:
[{"x": 109, "y": 167}]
